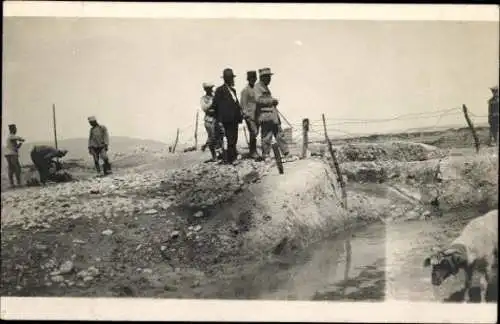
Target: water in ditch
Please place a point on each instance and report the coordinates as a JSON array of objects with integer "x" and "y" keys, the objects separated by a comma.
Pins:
[{"x": 375, "y": 263}]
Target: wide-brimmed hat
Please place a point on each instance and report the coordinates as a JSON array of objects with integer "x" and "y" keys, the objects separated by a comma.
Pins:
[
  {"x": 251, "y": 74},
  {"x": 265, "y": 71},
  {"x": 495, "y": 88},
  {"x": 208, "y": 85},
  {"x": 12, "y": 125},
  {"x": 92, "y": 118},
  {"x": 228, "y": 73}
]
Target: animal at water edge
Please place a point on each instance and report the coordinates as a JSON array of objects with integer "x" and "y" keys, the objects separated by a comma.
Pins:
[{"x": 474, "y": 251}]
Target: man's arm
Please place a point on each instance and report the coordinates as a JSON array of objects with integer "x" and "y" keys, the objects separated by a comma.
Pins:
[
  {"x": 215, "y": 102},
  {"x": 50, "y": 154},
  {"x": 244, "y": 101},
  {"x": 105, "y": 136},
  {"x": 204, "y": 104}
]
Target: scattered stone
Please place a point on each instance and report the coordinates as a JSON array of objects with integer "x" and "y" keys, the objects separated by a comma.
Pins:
[
  {"x": 198, "y": 214},
  {"x": 70, "y": 283},
  {"x": 19, "y": 287},
  {"x": 41, "y": 247},
  {"x": 76, "y": 241},
  {"x": 66, "y": 267},
  {"x": 107, "y": 232},
  {"x": 82, "y": 274},
  {"x": 94, "y": 191},
  {"x": 197, "y": 228},
  {"x": 88, "y": 279},
  {"x": 147, "y": 270},
  {"x": 163, "y": 248},
  {"x": 151, "y": 212},
  {"x": 138, "y": 247},
  {"x": 57, "y": 278},
  {"x": 48, "y": 284},
  {"x": 175, "y": 234},
  {"x": 55, "y": 273},
  {"x": 97, "y": 259}
]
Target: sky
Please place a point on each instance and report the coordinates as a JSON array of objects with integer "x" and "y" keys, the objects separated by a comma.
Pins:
[{"x": 142, "y": 77}]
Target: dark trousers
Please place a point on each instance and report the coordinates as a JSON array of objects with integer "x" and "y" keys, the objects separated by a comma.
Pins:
[
  {"x": 494, "y": 130},
  {"x": 42, "y": 166},
  {"x": 231, "y": 134},
  {"x": 100, "y": 153},
  {"x": 14, "y": 168},
  {"x": 253, "y": 132},
  {"x": 214, "y": 133}
]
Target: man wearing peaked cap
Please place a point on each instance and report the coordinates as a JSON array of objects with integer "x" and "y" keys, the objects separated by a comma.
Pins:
[
  {"x": 493, "y": 115},
  {"x": 249, "y": 112},
  {"x": 269, "y": 120},
  {"x": 228, "y": 113},
  {"x": 211, "y": 126},
  {"x": 99, "y": 144}
]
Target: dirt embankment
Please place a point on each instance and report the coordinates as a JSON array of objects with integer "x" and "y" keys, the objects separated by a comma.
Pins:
[{"x": 185, "y": 232}]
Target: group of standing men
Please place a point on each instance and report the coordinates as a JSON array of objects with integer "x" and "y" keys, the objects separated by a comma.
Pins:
[
  {"x": 257, "y": 107},
  {"x": 44, "y": 157}
]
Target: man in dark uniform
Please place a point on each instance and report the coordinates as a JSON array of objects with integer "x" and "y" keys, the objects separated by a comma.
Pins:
[
  {"x": 493, "y": 115},
  {"x": 43, "y": 158},
  {"x": 228, "y": 113}
]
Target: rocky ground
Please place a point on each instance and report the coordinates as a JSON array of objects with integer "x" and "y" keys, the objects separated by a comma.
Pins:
[{"x": 155, "y": 229}]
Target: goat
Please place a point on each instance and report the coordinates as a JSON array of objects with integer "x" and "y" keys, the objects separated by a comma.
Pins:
[{"x": 475, "y": 250}]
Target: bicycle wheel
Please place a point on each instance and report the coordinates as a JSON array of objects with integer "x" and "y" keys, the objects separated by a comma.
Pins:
[{"x": 277, "y": 157}]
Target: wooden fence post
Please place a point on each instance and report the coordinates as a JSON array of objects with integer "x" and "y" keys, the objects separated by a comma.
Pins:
[
  {"x": 305, "y": 136},
  {"x": 196, "y": 133},
  {"x": 471, "y": 127},
  {"x": 340, "y": 178},
  {"x": 176, "y": 140}
]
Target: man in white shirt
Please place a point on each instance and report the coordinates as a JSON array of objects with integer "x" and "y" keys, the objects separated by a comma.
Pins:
[{"x": 14, "y": 142}]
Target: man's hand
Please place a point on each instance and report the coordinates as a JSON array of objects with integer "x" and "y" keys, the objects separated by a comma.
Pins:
[
  {"x": 106, "y": 148},
  {"x": 275, "y": 102}
]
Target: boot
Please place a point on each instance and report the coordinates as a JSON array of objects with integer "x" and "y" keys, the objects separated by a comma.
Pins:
[{"x": 214, "y": 154}]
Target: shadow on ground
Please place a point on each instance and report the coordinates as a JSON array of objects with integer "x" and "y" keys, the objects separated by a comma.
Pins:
[{"x": 474, "y": 295}]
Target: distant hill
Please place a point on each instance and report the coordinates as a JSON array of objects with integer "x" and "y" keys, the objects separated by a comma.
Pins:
[{"x": 77, "y": 147}]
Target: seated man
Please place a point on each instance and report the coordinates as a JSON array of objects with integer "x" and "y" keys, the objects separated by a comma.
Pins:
[{"x": 43, "y": 159}]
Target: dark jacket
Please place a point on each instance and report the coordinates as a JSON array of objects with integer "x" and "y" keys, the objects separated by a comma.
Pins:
[{"x": 227, "y": 110}]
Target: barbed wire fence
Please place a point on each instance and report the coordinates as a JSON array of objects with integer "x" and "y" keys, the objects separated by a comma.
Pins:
[{"x": 341, "y": 128}]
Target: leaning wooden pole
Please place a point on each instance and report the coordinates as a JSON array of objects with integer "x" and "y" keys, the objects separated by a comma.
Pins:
[
  {"x": 196, "y": 133},
  {"x": 245, "y": 133},
  {"x": 176, "y": 140},
  {"x": 340, "y": 178},
  {"x": 471, "y": 127},
  {"x": 54, "y": 124}
]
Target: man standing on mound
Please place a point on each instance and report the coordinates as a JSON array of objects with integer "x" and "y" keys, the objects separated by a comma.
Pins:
[
  {"x": 268, "y": 115},
  {"x": 228, "y": 113},
  {"x": 98, "y": 145}
]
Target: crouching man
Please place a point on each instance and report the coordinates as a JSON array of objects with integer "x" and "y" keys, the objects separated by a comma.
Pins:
[
  {"x": 43, "y": 157},
  {"x": 98, "y": 145}
]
